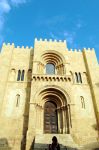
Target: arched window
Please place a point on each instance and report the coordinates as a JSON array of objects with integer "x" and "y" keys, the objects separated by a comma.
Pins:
[
  {"x": 80, "y": 78},
  {"x": 50, "y": 68},
  {"x": 17, "y": 100},
  {"x": 22, "y": 76},
  {"x": 19, "y": 75},
  {"x": 82, "y": 102},
  {"x": 76, "y": 75}
]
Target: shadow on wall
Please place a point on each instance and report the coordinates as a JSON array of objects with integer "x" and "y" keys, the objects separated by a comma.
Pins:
[
  {"x": 32, "y": 145},
  {"x": 4, "y": 144},
  {"x": 95, "y": 126},
  {"x": 97, "y": 84},
  {"x": 27, "y": 103}
]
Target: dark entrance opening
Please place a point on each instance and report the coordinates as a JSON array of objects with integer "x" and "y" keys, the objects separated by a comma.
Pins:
[{"x": 50, "y": 118}]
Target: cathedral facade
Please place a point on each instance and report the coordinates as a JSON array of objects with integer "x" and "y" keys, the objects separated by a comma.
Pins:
[{"x": 48, "y": 90}]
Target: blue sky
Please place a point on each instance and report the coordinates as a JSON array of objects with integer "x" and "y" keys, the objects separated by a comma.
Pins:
[{"x": 76, "y": 21}]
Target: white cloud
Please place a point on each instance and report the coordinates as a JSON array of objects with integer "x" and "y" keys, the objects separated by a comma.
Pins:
[{"x": 5, "y": 7}]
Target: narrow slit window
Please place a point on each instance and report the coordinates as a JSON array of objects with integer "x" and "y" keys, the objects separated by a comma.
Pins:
[
  {"x": 50, "y": 68},
  {"x": 19, "y": 75},
  {"x": 17, "y": 100},
  {"x": 82, "y": 102},
  {"x": 76, "y": 75},
  {"x": 80, "y": 78},
  {"x": 22, "y": 76}
]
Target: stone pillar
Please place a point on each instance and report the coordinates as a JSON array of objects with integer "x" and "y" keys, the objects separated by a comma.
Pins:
[
  {"x": 42, "y": 120},
  {"x": 39, "y": 119},
  {"x": 64, "y": 119},
  {"x": 69, "y": 122},
  {"x": 59, "y": 120}
]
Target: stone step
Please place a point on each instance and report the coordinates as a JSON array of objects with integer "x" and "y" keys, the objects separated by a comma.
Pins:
[{"x": 65, "y": 141}]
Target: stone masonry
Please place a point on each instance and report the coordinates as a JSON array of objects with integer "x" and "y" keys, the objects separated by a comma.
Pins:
[{"x": 47, "y": 90}]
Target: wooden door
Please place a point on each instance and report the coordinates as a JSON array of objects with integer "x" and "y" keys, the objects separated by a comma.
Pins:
[{"x": 50, "y": 118}]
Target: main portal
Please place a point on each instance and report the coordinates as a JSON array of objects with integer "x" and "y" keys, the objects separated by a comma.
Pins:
[{"x": 50, "y": 118}]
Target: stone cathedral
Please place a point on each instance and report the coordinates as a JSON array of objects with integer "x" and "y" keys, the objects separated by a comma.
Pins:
[{"x": 45, "y": 91}]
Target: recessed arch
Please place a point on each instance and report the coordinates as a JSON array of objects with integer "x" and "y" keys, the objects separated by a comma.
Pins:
[
  {"x": 52, "y": 55},
  {"x": 55, "y": 58},
  {"x": 54, "y": 95},
  {"x": 54, "y": 91}
]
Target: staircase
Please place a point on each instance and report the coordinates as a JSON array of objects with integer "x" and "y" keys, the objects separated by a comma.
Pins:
[{"x": 65, "y": 140}]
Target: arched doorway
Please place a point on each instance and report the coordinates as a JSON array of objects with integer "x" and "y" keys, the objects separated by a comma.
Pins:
[
  {"x": 50, "y": 118},
  {"x": 53, "y": 103}
]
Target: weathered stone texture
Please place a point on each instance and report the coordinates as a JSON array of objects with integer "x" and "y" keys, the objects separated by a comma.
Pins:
[{"x": 73, "y": 88}]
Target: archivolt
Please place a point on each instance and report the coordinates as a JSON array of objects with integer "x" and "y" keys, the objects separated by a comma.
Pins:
[
  {"x": 53, "y": 93},
  {"x": 52, "y": 57}
]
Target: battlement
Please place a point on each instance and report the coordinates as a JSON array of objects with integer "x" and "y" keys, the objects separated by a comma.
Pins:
[
  {"x": 81, "y": 50},
  {"x": 17, "y": 47},
  {"x": 50, "y": 40},
  {"x": 50, "y": 44},
  {"x": 88, "y": 49}
]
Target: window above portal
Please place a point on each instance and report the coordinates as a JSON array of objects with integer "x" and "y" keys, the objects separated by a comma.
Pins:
[{"x": 50, "y": 68}]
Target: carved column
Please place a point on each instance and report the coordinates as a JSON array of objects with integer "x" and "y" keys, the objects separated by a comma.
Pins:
[
  {"x": 64, "y": 119},
  {"x": 59, "y": 120}
]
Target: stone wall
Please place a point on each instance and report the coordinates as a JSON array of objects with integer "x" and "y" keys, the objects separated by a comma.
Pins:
[{"x": 74, "y": 87}]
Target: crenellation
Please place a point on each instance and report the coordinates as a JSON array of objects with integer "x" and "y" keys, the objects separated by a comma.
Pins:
[
  {"x": 93, "y": 49},
  {"x": 41, "y": 40},
  {"x": 65, "y": 41},
  {"x": 27, "y": 47},
  {"x": 89, "y": 49},
  {"x": 71, "y": 50},
  {"x": 31, "y": 47},
  {"x": 23, "y": 47},
  {"x": 35, "y": 40},
  {"x": 75, "y": 50},
  {"x": 50, "y": 40},
  {"x": 18, "y": 47},
  {"x": 13, "y": 44},
  {"x": 4, "y": 44},
  {"x": 8, "y": 44},
  {"x": 79, "y": 50},
  {"x": 45, "y": 40}
]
